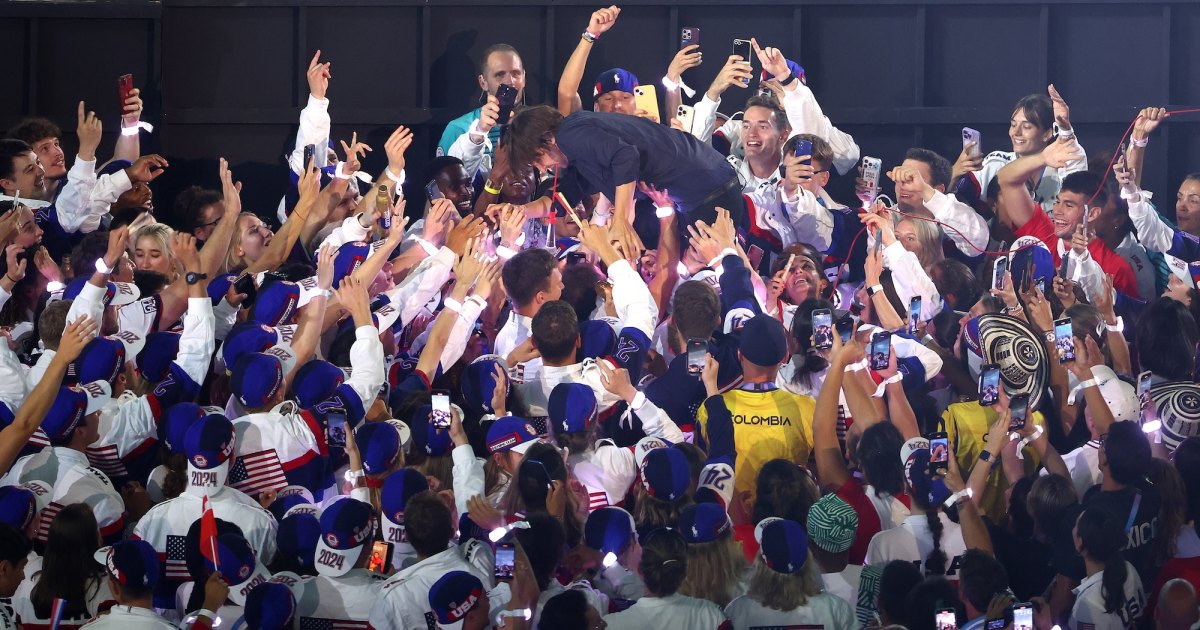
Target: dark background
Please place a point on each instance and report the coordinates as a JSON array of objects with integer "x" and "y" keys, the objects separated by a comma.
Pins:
[{"x": 226, "y": 78}]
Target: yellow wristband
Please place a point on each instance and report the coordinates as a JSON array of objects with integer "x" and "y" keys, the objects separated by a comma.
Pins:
[{"x": 487, "y": 187}]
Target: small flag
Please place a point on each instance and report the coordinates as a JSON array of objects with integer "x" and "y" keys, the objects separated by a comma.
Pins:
[
  {"x": 208, "y": 531},
  {"x": 56, "y": 612}
]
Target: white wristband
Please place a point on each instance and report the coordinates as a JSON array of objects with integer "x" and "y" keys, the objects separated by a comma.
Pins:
[
  {"x": 427, "y": 246},
  {"x": 399, "y": 179},
  {"x": 136, "y": 129},
  {"x": 639, "y": 399},
  {"x": 1141, "y": 144},
  {"x": 663, "y": 212},
  {"x": 1130, "y": 196},
  {"x": 478, "y": 301},
  {"x": 505, "y": 252},
  {"x": 206, "y": 613},
  {"x": 1117, "y": 327},
  {"x": 728, "y": 251},
  {"x": 671, "y": 85},
  {"x": 452, "y": 305},
  {"x": 856, "y": 367},
  {"x": 338, "y": 174},
  {"x": 957, "y": 496}
]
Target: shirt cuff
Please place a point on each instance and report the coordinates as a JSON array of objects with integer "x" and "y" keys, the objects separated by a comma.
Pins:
[
  {"x": 318, "y": 103},
  {"x": 365, "y": 333},
  {"x": 84, "y": 168}
]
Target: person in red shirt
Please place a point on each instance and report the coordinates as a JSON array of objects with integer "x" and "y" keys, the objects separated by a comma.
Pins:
[{"x": 1063, "y": 231}]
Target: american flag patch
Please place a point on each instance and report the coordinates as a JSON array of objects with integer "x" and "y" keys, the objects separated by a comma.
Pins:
[
  {"x": 597, "y": 500},
  {"x": 257, "y": 473},
  {"x": 47, "y": 517},
  {"x": 175, "y": 564},
  {"x": 107, "y": 460},
  {"x": 317, "y": 623},
  {"x": 39, "y": 438}
]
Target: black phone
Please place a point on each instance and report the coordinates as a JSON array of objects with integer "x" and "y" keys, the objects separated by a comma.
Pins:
[
  {"x": 506, "y": 559},
  {"x": 1064, "y": 340},
  {"x": 574, "y": 258},
  {"x": 1062, "y": 268},
  {"x": 989, "y": 385},
  {"x": 1018, "y": 408},
  {"x": 881, "y": 350},
  {"x": 914, "y": 314},
  {"x": 689, "y": 36},
  {"x": 507, "y": 97},
  {"x": 939, "y": 454},
  {"x": 1023, "y": 616},
  {"x": 245, "y": 286},
  {"x": 743, "y": 49},
  {"x": 845, "y": 328},
  {"x": 822, "y": 325},
  {"x": 336, "y": 429},
  {"x": 309, "y": 151},
  {"x": 697, "y": 355}
]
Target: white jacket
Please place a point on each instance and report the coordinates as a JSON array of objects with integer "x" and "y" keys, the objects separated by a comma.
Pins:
[{"x": 404, "y": 602}]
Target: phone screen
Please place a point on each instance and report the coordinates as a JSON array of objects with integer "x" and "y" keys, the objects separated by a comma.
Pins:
[
  {"x": 440, "y": 416},
  {"x": 914, "y": 314},
  {"x": 822, "y": 325},
  {"x": 1023, "y": 616},
  {"x": 336, "y": 423},
  {"x": 755, "y": 255},
  {"x": 845, "y": 328},
  {"x": 697, "y": 354},
  {"x": 1146, "y": 409},
  {"x": 1064, "y": 340},
  {"x": 998, "y": 272},
  {"x": 881, "y": 348},
  {"x": 939, "y": 453},
  {"x": 996, "y": 624},
  {"x": 381, "y": 557},
  {"x": 506, "y": 557},
  {"x": 804, "y": 147},
  {"x": 1018, "y": 409},
  {"x": 689, "y": 36},
  {"x": 989, "y": 385},
  {"x": 945, "y": 620},
  {"x": 506, "y": 95}
]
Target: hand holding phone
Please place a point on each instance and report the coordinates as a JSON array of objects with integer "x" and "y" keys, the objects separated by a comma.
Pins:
[
  {"x": 697, "y": 355},
  {"x": 945, "y": 619},
  {"x": 1064, "y": 340},
  {"x": 914, "y": 314},
  {"x": 124, "y": 90},
  {"x": 822, "y": 325},
  {"x": 645, "y": 98},
  {"x": 939, "y": 454},
  {"x": 872, "y": 167},
  {"x": 970, "y": 135},
  {"x": 309, "y": 151},
  {"x": 989, "y": 385},
  {"x": 1018, "y": 412},
  {"x": 804, "y": 147},
  {"x": 440, "y": 414},
  {"x": 881, "y": 350},
  {"x": 506, "y": 96},
  {"x": 506, "y": 559},
  {"x": 998, "y": 272},
  {"x": 689, "y": 36},
  {"x": 743, "y": 49},
  {"x": 1023, "y": 616}
]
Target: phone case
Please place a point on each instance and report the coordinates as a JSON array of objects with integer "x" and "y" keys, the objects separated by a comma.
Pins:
[
  {"x": 689, "y": 36},
  {"x": 685, "y": 114},
  {"x": 971, "y": 135},
  {"x": 645, "y": 97}
]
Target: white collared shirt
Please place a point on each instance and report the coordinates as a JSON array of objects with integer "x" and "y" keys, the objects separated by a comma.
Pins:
[{"x": 1088, "y": 612}]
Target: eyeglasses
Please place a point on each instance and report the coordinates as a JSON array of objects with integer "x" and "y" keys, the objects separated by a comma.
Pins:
[{"x": 209, "y": 224}]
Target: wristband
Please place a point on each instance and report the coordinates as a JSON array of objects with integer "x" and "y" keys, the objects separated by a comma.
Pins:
[
  {"x": 1141, "y": 144},
  {"x": 856, "y": 367},
  {"x": 338, "y": 174},
  {"x": 427, "y": 246},
  {"x": 957, "y": 497},
  {"x": 1037, "y": 433},
  {"x": 487, "y": 187},
  {"x": 663, "y": 212},
  {"x": 452, "y": 305},
  {"x": 895, "y": 378},
  {"x": 54, "y": 286},
  {"x": 206, "y": 613},
  {"x": 478, "y": 301},
  {"x": 792, "y": 79},
  {"x": 10, "y": 278},
  {"x": 352, "y": 475},
  {"x": 102, "y": 267},
  {"x": 505, "y": 252},
  {"x": 139, "y": 126},
  {"x": 1117, "y": 327},
  {"x": 1013, "y": 310},
  {"x": 1063, "y": 133},
  {"x": 639, "y": 399},
  {"x": 1091, "y": 382},
  {"x": 399, "y": 179},
  {"x": 728, "y": 251},
  {"x": 1130, "y": 196},
  {"x": 592, "y": 39},
  {"x": 671, "y": 85},
  {"x": 521, "y": 613}
]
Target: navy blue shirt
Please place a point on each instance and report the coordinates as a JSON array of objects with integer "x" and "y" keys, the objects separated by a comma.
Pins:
[{"x": 608, "y": 150}]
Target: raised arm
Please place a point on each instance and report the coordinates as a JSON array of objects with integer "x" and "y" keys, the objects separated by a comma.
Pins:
[
  {"x": 129, "y": 147},
  {"x": 572, "y": 74},
  {"x": 1018, "y": 206},
  {"x": 308, "y": 332},
  {"x": 827, "y": 451},
  {"x": 216, "y": 248},
  {"x": 277, "y": 252},
  {"x": 1147, "y": 121}
]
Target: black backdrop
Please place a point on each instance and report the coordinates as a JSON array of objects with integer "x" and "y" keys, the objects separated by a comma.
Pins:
[{"x": 226, "y": 77}]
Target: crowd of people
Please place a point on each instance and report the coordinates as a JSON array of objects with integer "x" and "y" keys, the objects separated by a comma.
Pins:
[{"x": 620, "y": 368}]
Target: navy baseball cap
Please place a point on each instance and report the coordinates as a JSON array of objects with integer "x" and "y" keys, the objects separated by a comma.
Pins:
[
  {"x": 572, "y": 407},
  {"x": 131, "y": 563},
  {"x": 297, "y": 540},
  {"x": 609, "y": 530},
  {"x": 783, "y": 544},
  {"x": 238, "y": 565},
  {"x": 614, "y": 80},
  {"x": 346, "y": 525},
  {"x": 764, "y": 341},
  {"x": 21, "y": 504},
  {"x": 251, "y": 337},
  {"x": 115, "y": 293},
  {"x": 256, "y": 379},
  {"x": 270, "y": 606},
  {"x": 398, "y": 488},
  {"x": 666, "y": 474},
  {"x": 380, "y": 445},
  {"x": 511, "y": 433},
  {"x": 478, "y": 381},
  {"x": 288, "y": 498},
  {"x": 276, "y": 302},
  {"x": 180, "y": 417},
  {"x": 453, "y": 596},
  {"x": 209, "y": 442},
  {"x": 103, "y": 358},
  {"x": 155, "y": 358},
  {"x": 597, "y": 339},
  {"x": 703, "y": 522},
  {"x": 316, "y": 381},
  {"x": 1029, "y": 250},
  {"x": 71, "y": 406}
]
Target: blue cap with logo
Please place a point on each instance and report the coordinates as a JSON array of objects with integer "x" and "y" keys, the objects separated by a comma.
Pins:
[
  {"x": 270, "y": 606},
  {"x": 346, "y": 525},
  {"x": 132, "y": 563},
  {"x": 511, "y": 433},
  {"x": 453, "y": 596},
  {"x": 609, "y": 530},
  {"x": 614, "y": 80},
  {"x": 256, "y": 379},
  {"x": 380, "y": 445},
  {"x": 572, "y": 407},
  {"x": 783, "y": 544},
  {"x": 297, "y": 539},
  {"x": 703, "y": 522},
  {"x": 666, "y": 473}
]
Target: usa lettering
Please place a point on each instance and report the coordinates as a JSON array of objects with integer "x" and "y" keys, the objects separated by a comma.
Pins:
[
  {"x": 770, "y": 421},
  {"x": 203, "y": 478},
  {"x": 330, "y": 559}
]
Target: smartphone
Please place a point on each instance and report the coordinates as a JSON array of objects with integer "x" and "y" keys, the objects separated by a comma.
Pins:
[
  {"x": 1062, "y": 268},
  {"x": 998, "y": 271},
  {"x": 574, "y": 258},
  {"x": 872, "y": 167},
  {"x": 1023, "y": 616},
  {"x": 689, "y": 36},
  {"x": 124, "y": 87},
  {"x": 804, "y": 147},
  {"x": 245, "y": 286},
  {"x": 432, "y": 191},
  {"x": 989, "y": 385},
  {"x": 1041, "y": 285},
  {"x": 822, "y": 325},
  {"x": 1086, "y": 210},
  {"x": 996, "y": 624},
  {"x": 845, "y": 327},
  {"x": 971, "y": 135},
  {"x": 914, "y": 314},
  {"x": 881, "y": 350},
  {"x": 1027, "y": 277},
  {"x": 1064, "y": 340},
  {"x": 506, "y": 558},
  {"x": 383, "y": 203},
  {"x": 507, "y": 96},
  {"x": 939, "y": 454},
  {"x": 1143, "y": 394},
  {"x": 1018, "y": 408},
  {"x": 697, "y": 354},
  {"x": 685, "y": 114},
  {"x": 945, "y": 619},
  {"x": 335, "y": 424},
  {"x": 381, "y": 557},
  {"x": 743, "y": 49},
  {"x": 645, "y": 97},
  {"x": 440, "y": 415},
  {"x": 309, "y": 151},
  {"x": 755, "y": 254}
]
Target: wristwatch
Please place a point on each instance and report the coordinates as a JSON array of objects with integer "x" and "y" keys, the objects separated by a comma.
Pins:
[
  {"x": 193, "y": 277},
  {"x": 1049, "y": 335},
  {"x": 873, "y": 289},
  {"x": 985, "y": 455}
]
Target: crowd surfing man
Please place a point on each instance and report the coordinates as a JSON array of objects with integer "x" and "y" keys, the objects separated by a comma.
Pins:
[{"x": 602, "y": 368}]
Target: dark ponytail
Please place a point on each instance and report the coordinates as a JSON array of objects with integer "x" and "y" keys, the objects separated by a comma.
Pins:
[
  {"x": 1102, "y": 538},
  {"x": 935, "y": 564}
]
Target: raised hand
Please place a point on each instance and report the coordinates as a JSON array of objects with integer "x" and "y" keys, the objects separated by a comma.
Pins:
[
  {"x": 736, "y": 72},
  {"x": 1125, "y": 177},
  {"x": 325, "y": 258},
  {"x": 353, "y": 164},
  {"x": 1065, "y": 290},
  {"x": 184, "y": 246},
  {"x": 616, "y": 380},
  {"x": 602, "y": 20},
  {"x": 118, "y": 239},
  {"x": 1061, "y": 152},
  {"x": 1062, "y": 113},
  {"x": 396, "y": 145},
  {"x": 511, "y": 223},
  {"x": 89, "y": 128},
  {"x": 661, "y": 198},
  {"x": 318, "y": 77},
  {"x": 469, "y": 264},
  {"x": 970, "y": 160},
  {"x": 489, "y": 278},
  {"x": 231, "y": 193},
  {"x": 687, "y": 58},
  {"x": 147, "y": 168},
  {"x": 460, "y": 235},
  {"x": 76, "y": 337},
  {"x": 437, "y": 221},
  {"x": 352, "y": 294},
  {"x": 772, "y": 61},
  {"x": 46, "y": 265},
  {"x": 488, "y": 114},
  {"x": 500, "y": 391},
  {"x": 131, "y": 109},
  {"x": 1147, "y": 121},
  {"x": 796, "y": 172},
  {"x": 1080, "y": 239}
]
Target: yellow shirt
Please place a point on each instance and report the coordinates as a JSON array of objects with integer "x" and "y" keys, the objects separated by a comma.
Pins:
[
  {"x": 766, "y": 425},
  {"x": 967, "y": 426}
]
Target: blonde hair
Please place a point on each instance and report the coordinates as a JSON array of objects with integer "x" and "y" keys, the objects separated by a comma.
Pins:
[
  {"x": 651, "y": 512},
  {"x": 160, "y": 232},
  {"x": 783, "y": 591},
  {"x": 929, "y": 235},
  {"x": 440, "y": 468},
  {"x": 715, "y": 570},
  {"x": 232, "y": 260}
]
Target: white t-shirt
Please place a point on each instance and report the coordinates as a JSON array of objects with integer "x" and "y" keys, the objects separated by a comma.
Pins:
[
  {"x": 97, "y": 592},
  {"x": 1088, "y": 611},
  {"x": 821, "y": 611},
  {"x": 673, "y": 612},
  {"x": 913, "y": 542},
  {"x": 844, "y": 584}
]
